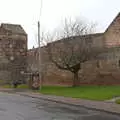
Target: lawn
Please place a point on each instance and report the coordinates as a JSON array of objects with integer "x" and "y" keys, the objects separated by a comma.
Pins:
[{"x": 85, "y": 92}]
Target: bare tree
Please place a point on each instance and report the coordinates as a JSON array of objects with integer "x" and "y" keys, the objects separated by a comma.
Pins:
[{"x": 73, "y": 47}]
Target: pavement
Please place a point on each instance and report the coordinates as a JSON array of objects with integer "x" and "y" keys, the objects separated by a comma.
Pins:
[
  {"x": 103, "y": 106},
  {"x": 19, "y": 107}
]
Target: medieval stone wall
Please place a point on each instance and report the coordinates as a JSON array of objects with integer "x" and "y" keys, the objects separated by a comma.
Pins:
[
  {"x": 109, "y": 64},
  {"x": 107, "y": 72},
  {"x": 89, "y": 73}
]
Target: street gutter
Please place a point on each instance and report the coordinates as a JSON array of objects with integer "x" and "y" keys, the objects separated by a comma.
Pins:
[{"x": 117, "y": 112}]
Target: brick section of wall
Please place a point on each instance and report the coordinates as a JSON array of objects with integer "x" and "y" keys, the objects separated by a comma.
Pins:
[{"x": 107, "y": 74}]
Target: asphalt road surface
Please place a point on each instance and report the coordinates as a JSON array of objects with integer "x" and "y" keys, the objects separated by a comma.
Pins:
[{"x": 16, "y": 107}]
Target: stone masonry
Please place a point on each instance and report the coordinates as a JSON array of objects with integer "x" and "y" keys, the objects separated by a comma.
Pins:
[
  {"x": 13, "y": 52},
  {"x": 108, "y": 71}
]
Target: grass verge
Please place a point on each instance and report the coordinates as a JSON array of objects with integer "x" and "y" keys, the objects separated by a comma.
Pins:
[
  {"x": 117, "y": 101},
  {"x": 6, "y": 86},
  {"x": 22, "y": 86},
  {"x": 85, "y": 92}
]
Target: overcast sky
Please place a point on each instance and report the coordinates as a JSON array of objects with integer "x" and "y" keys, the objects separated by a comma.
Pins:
[{"x": 26, "y": 13}]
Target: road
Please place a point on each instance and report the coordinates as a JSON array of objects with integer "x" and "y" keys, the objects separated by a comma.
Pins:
[{"x": 16, "y": 107}]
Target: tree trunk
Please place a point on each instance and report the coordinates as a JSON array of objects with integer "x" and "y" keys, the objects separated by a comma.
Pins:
[{"x": 75, "y": 79}]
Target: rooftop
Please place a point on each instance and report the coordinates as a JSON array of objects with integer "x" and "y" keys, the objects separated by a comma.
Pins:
[{"x": 14, "y": 28}]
